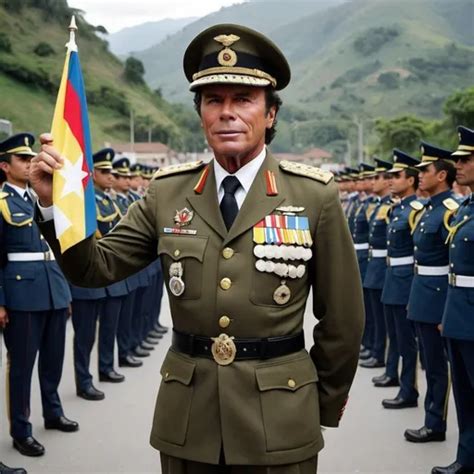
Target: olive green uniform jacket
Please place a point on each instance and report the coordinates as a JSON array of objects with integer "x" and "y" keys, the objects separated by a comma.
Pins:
[{"x": 251, "y": 408}]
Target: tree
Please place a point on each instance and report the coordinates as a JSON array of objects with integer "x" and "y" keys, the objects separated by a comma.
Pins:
[
  {"x": 134, "y": 71},
  {"x": 459, "y": 108}
]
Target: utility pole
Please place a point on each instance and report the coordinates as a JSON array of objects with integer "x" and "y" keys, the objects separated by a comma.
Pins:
[{"x": 360, "y": 139}]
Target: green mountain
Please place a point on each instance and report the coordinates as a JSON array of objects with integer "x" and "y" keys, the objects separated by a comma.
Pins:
[
  {"x": 140, "y": 37},
  {"x": 364, "y": 58},
  {"x": 33, "y": 34},
  {"x": 163, "y": 62}
]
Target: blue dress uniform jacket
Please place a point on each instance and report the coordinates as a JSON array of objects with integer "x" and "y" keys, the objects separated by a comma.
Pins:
[
  {"x": 428, "y": 293},
  {"x": 360, "y": 232},
  {"x": 398, "y": 279},
  {"x": 41, "y": 281},
  {"x": 377, "y": 266},
  {"x": 458, "y": 320},
  {"x": 351, "y": 209},
  {"x": 458, "y": 327}
]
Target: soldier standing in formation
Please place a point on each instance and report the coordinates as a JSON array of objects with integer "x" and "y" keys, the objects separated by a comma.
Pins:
[
  {"x": 238, "y": 387},
  {"x": 36, "y": 324}
]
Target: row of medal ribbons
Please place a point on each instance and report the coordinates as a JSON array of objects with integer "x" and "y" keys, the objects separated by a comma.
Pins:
[{"x": 281, "y": 229}]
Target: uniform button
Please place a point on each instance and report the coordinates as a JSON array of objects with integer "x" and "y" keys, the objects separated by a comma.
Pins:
[
  {"x": 422, "y": 223},
  {"x": 30, "y": 224},
  {"x": 177, "y": 253},
  {"x": 291, "y": 383},
  {"x": 167, "y": 375},
  {"x": 388, "y": 242},
  {"x": 224, "y": 321},
  {"x": 416, "y": 248},
  {"x": 452, "y": 265},
  {"x": 18, "y": 277},
  {"x": 438, "y": 289},
  {"x": 228, "y": 253},
  {"x": 465, "y": 239},
  {"x": 226, "y": 283},
  {"x": 465, "y": 217},
  {"x": 452, "y": 246}
]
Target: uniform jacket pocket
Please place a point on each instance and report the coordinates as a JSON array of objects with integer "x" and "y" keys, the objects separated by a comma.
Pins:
[
  {"x": 173, "y": 404},
  {"x": 289, "y": 403},
  {"x": 189, "y": 251}
]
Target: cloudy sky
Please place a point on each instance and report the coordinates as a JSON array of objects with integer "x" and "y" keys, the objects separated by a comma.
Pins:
[{"x": 118, "y": 14}]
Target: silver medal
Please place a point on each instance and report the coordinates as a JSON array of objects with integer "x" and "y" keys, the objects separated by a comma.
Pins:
[
  {"x": 176, "y": 283},
  {"x": 282, "y": 294}
]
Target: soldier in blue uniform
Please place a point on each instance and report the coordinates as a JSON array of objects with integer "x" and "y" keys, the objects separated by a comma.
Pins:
[
  {"x": 360, "y": 236},
  {"x": 353, "y": 197},
  {"x": 127, "y": 346},
  {"x": 376, "y": 266},
  {"x": 34, "y": 301},
  {"x": 91, "y": 305},
  {"x": 458, "y": 321},
  {"x": 399, "y": 275},
  {"x": 136, "y": 189},
  {"x": 430, "y": 284}
]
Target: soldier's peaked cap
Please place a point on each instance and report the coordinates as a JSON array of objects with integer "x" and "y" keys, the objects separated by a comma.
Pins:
[
  {"x": 235, "y": 54},
  {"x": 466, "y": 142},
  {"x": 103, "y": 159},
  {"x": 431, "y": 153},
  {"x": 121, "y": 167},
  {"x": 382, "y": 166},
  {"x": 19, "y": 144},
  {"x": 402, "y": 161}
]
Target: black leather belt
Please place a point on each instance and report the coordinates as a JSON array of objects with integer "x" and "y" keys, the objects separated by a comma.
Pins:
[{"x": 246, "y": 348}]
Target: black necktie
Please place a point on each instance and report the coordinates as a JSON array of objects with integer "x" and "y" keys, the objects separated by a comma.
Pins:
[
  {"x": 27, "y": 197},
  {"x": 228, "y": 205}
]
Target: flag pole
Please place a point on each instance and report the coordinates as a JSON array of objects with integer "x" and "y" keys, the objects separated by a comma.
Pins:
[{"x": 71, "y": 45}]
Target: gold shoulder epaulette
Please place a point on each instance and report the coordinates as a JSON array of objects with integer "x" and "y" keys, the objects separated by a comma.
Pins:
[
  {"x": 450, "y": 204},
  {"x": 176, "y": 169},
  {"x": 306, "y": 170},
  {"x": 3, "y": 195},
  {"x": 417, "y": 205}
]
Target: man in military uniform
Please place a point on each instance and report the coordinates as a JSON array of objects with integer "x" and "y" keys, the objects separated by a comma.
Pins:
[
  {"x": 136, "y": 189},
  {"x": 34, "y": 300},
  {"x": 375, "y": 271},
  {"x": 399, "y": 275},
  {"x": 242, "y": 240},
  {"x": 458, "y": 323},
  {"x": 430, "y": 284},
  {"x": 89, "y": 305}
]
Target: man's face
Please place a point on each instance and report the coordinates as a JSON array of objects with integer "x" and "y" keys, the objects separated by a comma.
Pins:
[
  {"x": 380, "y": 184},
  {"x": 400, "y": 183},
  {"x": 103, "y": 179},
  {"x": 234, "y": 119},
  {"x": 145, "y": 183},
  {"x": 135, "y": 182},
  {"x": 465, "y": 170},
  {"x": 18, "y": 169},
  {"x": 430, "y": 179},
  {"x": 121, "y": 184}
]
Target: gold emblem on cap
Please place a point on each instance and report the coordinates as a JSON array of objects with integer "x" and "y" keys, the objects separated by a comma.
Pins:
[
  {"x": 27, "y": 141},
  {"x": 227, "y": 57},
  {"x": 223, "y": 349}
]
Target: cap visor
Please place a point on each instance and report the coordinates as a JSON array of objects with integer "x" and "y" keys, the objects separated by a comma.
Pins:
[
  {"x": 462, "y": 153},
  {"x": 424, "y": 165},
  {"x": 237, "y": 79}
]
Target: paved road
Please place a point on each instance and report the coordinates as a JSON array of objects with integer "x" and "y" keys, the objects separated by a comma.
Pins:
[{"x": 113, "y": 436}]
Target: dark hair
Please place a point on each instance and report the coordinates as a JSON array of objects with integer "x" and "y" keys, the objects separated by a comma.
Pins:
[
  {"x": 5, "y": 159},
  {"x": 413, "y": 173},
  {"x": 272, "y": 99},
  {"x": 442, "y": 165}
]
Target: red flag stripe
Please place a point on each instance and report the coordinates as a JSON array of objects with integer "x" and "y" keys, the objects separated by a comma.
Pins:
[{"x": 72, "y": 114}]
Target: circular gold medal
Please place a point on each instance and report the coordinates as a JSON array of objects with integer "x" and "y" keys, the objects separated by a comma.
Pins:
[{"x": 282, "y": 294}]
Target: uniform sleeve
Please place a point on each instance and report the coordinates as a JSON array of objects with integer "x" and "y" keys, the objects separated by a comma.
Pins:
[
  {"x": 128, "y": 248},
  {"x": 338, "y": 305}
]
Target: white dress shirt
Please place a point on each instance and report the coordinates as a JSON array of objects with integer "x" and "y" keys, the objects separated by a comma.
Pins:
[{"x": 246, "y": 176}]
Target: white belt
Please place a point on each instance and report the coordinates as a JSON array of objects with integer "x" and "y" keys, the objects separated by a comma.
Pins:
[
  {"x": 30, "y": 256},
  {"x": 398, "y": 261},
  {"x": 362, "y": 246},
  {"x": 461, "y": 281},
  {"x": 431, "y": 271},
  {"x": 377, "y": 253}
]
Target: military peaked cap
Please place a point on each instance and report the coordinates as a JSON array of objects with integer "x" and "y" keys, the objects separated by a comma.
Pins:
[
  {"x": 431, "y": 153},
  {"x": 19, "y": 144},
  {"x": 466, "y": 142},
  {"x": 121, "y": 167},
  {"x": 103, "y": 159},
  {"x": 402, "y": 161},
  {"x": 234, "y": 54}
]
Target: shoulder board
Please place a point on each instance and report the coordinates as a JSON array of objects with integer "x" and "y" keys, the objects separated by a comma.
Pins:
[
  {"x": 307, "y": 171},
  {"x": 176, "y": 169},
  {"x": 417, "y": 205},
  {"x": 3, "y": 195},
  {"x": 450, "y": 204}
]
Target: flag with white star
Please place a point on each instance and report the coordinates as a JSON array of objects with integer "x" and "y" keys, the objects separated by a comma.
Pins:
[{"x": 73, "y": 188}]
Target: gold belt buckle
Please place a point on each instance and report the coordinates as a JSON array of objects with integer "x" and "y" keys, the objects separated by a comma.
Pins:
[
  {"x": 452, "y": 279},
  {"x": 47, "y": 256},
  {"x": 223, "y": 349}
]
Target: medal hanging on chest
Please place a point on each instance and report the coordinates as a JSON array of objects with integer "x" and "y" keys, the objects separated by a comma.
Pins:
[
  {"x": 282, "y": 294},
  {"x": 176, "y": 282}
]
